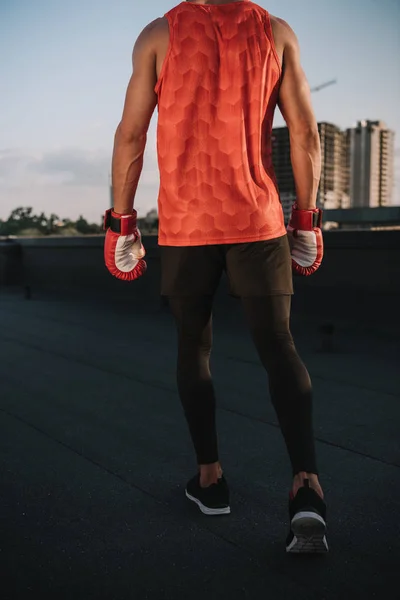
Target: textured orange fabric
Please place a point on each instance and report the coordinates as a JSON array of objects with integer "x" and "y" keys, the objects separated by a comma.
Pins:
[{"x": 217, "y": 93}]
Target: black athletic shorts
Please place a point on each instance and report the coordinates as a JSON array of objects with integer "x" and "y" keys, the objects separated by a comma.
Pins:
[{"x": 253, "y": 268}]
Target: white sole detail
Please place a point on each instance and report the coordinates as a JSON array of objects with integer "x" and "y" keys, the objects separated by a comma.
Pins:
[
  {"x": 309, "y": 530},
  {"x": 206, "y": 510}
]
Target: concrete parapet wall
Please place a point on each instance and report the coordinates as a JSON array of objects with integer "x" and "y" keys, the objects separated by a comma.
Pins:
[{"x": 359, "y": 278}]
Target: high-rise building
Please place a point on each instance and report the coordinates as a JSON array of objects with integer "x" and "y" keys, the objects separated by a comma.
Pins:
[
  {"x": 347, "y": 166},
  {"x": 371, "y": 164},
  {"x": 333, "y": 190},
  {"x": 283, "y": 168},
  {"x": 386, "y": 183}
]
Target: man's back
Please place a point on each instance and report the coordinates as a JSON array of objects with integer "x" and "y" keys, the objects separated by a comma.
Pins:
[
  {"x": 162, "y": 34},
  {"x": 277, "y": 46},
  {"x": 218, "y": 83}
]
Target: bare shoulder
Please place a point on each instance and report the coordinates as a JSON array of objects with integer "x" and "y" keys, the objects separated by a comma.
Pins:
[
  {"x": 153, "y": 42},
  {"x": 160, "y": 24},
  {"x": 283, "y": 33},
  {"x": 154, "y": 32}
]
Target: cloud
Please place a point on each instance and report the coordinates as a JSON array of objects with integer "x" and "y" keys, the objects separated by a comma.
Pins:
[
  {"x": 67, "y": 166},
  {"x": 13, "y": 165},
  {"x": 72, "y": 167},
  {"x": 68, "y": 182}
]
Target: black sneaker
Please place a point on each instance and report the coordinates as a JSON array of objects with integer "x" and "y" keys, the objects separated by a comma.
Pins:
[
  {"x": 307, "y": 513},
  {"x": 213, "y": 500}
]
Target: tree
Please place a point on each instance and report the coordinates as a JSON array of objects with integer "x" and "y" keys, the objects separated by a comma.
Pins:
[
  {"x": 19, "y": 219},
  {"x": 86, "y": 228},
  {"x": 22, "y": 219}
]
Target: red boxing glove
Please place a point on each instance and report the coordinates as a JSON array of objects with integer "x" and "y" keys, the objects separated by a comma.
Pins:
[
  {"x": 305, "y": 239},
  {"x": 123, "y": 249}
]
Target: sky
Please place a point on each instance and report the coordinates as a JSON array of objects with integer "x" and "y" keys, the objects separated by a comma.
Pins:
[{"x": 65, "y": 66}]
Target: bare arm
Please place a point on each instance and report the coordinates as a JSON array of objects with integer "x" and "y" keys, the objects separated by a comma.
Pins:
[
  {"x": 296, "y": 108},
  {"x": 131, "y": 135}
]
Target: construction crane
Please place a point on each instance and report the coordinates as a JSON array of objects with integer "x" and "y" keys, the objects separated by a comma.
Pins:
[{"x": 323, "y": 85}]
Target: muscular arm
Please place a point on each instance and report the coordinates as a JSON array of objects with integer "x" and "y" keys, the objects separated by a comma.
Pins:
[
  {"x": 296, "y": 108},
  {"x": 131, "y": 135}
]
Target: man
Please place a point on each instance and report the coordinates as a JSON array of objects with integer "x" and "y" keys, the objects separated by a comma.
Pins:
[{"x": 216, "y": 70}]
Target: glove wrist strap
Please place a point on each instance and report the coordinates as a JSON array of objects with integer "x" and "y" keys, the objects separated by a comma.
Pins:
[
  {"x": 121, "y": 224},
  {"x": 306, "y": 220}
]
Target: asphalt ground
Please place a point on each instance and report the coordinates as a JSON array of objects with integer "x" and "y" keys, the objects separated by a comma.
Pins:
[{"x": 95, "y": 455}]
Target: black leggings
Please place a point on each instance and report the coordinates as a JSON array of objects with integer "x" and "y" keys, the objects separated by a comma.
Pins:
[{"x": 289, "y": 383}]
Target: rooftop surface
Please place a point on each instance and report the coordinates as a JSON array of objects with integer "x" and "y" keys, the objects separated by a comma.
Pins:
[{"x": 95, "y": 455}]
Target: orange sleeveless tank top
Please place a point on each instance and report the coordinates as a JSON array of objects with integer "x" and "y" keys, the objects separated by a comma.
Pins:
[{"x": 217, "y": 93}]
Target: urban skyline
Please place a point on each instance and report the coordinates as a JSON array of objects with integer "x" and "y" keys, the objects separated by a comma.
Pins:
[{"x": 357, "y": 166}]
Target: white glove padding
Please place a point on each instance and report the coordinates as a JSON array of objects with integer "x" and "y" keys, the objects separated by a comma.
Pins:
[
  {"x": 306, "y": 241},
  {"x": 123, "y": 248}
]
